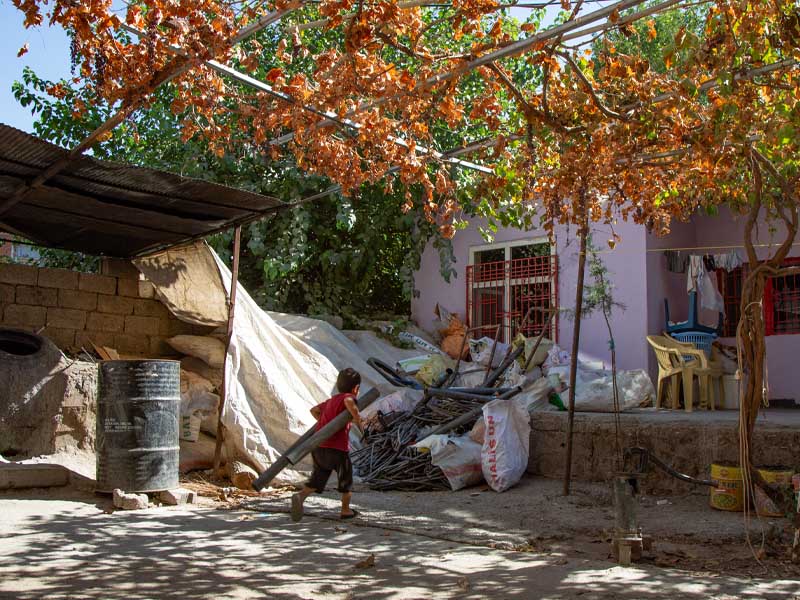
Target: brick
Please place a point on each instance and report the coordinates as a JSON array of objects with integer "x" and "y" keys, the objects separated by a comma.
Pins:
[
  {"x": 18, "y": 274},
  {"x": 119, "y": 267},
  {"x": 116, "y": 305},
  {"x": 17, "y": 315},
  {"x": 134, "y": 344},
  {"x": 178, "y": 496},
  {"x": 85, "y": 339},
  {"x": 61, "y": 337},
  {"x": 67, "y": 318},
  {"x": 7, "y": 294},
  {"x": 149, "y": 308},
  {"x": 159, "y": 347},
  {"x": 108, "y": 323},
  {"x": 100, "y": 284},
  {"x": 58, "y": 278},
  {"x": 141, "y": 325},
  {"x": 37, "y": 296},
  {"x": 128, "y": 288},
  {"x": 77, "y": 299},
  {"x": 146, "y": 289},
  {"x": 172, "y": 326}
]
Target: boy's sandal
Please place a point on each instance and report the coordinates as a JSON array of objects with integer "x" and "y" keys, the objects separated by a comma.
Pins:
[{"x": 350, "y": 516}]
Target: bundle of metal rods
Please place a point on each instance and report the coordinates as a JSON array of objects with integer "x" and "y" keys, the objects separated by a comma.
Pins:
[{"x": 388, "y": 462}]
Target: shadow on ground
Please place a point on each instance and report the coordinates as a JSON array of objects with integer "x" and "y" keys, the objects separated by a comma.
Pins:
[{"x": 56, "y": 549}]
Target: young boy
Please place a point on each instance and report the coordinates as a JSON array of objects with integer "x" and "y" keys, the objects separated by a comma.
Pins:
[{"x": 334, "y": 453}]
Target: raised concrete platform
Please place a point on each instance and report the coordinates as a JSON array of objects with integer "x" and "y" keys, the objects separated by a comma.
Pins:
[{"x": 690, "y": 442}]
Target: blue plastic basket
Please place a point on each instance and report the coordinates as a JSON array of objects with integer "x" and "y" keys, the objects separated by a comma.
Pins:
[{"x": 702, "y": 341}]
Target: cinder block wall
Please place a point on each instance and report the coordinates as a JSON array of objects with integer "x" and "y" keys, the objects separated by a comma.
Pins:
[{"x": 75, "y": 309}]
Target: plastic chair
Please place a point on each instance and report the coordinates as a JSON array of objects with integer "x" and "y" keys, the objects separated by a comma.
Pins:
[
  {"x": 670, "y": 370},
  {"x": 696, "y": 362}
]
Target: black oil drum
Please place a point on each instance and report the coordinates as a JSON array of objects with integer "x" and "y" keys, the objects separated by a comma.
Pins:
[{"x": 138, "y": 411}]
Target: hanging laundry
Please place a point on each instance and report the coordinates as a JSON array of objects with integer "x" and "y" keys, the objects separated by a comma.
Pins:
[
  {"x": 676, "y": 262},
  {"x": 699, "y": 280},
  {"x": 729, "y": 260}
]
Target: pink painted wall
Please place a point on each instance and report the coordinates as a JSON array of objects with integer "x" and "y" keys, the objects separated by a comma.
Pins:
[
  {"x": 642, "y": 282},
  {"x": 722, "y": 230},
  {"x": 626, "y": 263}
]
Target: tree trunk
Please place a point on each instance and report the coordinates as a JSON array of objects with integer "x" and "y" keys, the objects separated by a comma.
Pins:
[
  {"x": 751, "y": 331},
  {"x": 573, "y": 366}
]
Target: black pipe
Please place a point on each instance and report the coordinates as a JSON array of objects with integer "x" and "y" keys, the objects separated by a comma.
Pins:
[{"x": 645, "y": 457}]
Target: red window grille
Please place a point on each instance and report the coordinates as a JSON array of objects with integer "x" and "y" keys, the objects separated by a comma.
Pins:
[
  {"x": 781, "y": 301},
  {"x": 502, "y": 292}
]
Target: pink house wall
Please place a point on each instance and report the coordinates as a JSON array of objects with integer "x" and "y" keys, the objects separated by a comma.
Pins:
[
  {"x": 722, "y": 230},
  {"x": 626, "y": 264},
  {"x": 641, "y": 282}
]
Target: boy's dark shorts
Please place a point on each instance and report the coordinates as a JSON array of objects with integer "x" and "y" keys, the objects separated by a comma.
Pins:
[{"x": 327, "y": 460}]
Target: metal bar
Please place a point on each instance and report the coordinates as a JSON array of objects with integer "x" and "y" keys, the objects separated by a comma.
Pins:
[
  {"x": 237, "y": 238},
  {"x": 337, "y": 423},
  {"x": 472, "y": 414},
  {"x": 573, "y": 367}
]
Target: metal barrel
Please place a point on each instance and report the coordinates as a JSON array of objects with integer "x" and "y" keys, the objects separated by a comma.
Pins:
[{"x": 138, "y": 408}]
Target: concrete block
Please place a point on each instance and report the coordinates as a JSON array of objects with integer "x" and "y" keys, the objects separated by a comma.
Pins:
[
  {"x": 85, "y": 339},
  {"x": 104, "y": 322},
  {"x": 18, "y": 274},
  {"x": 66, "y": 318},
  {"x": 76, "y": 299},
  {"x": 17, "y": 315},
  {"x": 127, "y": 501},
  {"x": 141, "y": 325},
  {"x": 61, "y": 337},
  {"x": 128, "y": 288},
  {"x": 100, "y": 284},
  {"x": 160, "y": 347},
  {"x": 150, "y": 308},
  {"x": 20, "y": 475},
  {"x": 119, "y": 267},
  {"x": 58, "y": 278},
  {"x": 117, "y": 305},
  {"x": 146, "y": 289},
  {"x": 178, "y": 497},
  {"x": 7, "y": 293},
  {"x": 36, "y": 296},
  {"x": 172, "y": 326},
  {"x": 134, "y": 344}
]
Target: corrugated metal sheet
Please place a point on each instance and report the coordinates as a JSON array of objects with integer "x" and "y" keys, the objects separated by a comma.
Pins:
[{"x": 110, "y": 209}]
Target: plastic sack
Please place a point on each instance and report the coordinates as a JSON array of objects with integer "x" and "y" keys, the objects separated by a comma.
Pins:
[
  {"x": 480, "y": 351},
  {"x": 432, "y": 370},
  {"x": 504, "y": 455},
  {"x": 555, "y": 357},
  {"x": 400, "y": 401},
  {"x": 594, "y": 391},
  {"x": 478, "y": 431},
  {"x": 541, "y": 352},
  {"x": 458, "y": 458}
]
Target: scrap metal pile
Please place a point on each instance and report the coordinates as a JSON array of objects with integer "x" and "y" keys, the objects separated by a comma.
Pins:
[{"x": 388, "y": 460}]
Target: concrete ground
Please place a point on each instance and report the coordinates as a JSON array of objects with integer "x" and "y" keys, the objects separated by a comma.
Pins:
[{"x": 68, "y": 544}]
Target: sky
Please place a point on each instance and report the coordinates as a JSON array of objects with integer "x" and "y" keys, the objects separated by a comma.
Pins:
[{"x": 48, "y": 56}]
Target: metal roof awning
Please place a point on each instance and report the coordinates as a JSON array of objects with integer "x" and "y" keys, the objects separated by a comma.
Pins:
[{"x": 109, "y": 209}]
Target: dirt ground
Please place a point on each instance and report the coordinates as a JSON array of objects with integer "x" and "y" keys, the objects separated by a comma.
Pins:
[{"x": 527, "y": 542}]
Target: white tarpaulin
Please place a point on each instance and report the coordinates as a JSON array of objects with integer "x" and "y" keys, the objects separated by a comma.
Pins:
[{"x": 278, "y": 366}]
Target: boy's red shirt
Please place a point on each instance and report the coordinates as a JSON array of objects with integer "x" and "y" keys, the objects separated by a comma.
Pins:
[{"x": 328, "y": 411}]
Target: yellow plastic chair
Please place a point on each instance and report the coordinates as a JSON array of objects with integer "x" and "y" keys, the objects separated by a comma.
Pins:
[
  {"x": 697, "y": 364},
  {"x": 670, "y": 370}
]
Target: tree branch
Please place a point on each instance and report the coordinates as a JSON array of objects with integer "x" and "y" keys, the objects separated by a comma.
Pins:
[{"x": 590, "y": 88}]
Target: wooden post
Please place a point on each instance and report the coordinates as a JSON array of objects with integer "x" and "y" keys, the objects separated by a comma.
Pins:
[
  {"x": 237, "y": 236},
  {"x": 573, "y": 367}
]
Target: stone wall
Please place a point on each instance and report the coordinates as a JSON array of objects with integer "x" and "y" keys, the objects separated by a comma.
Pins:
[
  {"x": 690, "y": 442},
  {"x": 75, "y": 309}
]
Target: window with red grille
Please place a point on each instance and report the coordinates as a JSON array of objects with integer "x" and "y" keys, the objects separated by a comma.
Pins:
[
  {"x": 500, "y": 292},
  {"x": 781, "y": 301}
]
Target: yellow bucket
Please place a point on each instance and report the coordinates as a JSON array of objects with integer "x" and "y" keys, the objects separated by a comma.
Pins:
[
  {"x": 777, "y": 476},
  {"x": 729, "y": 493}
]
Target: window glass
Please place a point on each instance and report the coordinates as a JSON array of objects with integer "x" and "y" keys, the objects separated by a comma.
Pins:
[
  {"x": 490, "y": 255},
  {"x": 529, "y": 251}
]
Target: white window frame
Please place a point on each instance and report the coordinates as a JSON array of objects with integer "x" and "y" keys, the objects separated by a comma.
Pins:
[{"x": 507, "y": 283}]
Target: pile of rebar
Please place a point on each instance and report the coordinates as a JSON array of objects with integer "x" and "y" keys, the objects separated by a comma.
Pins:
[{"x": 387, "y": 460}]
